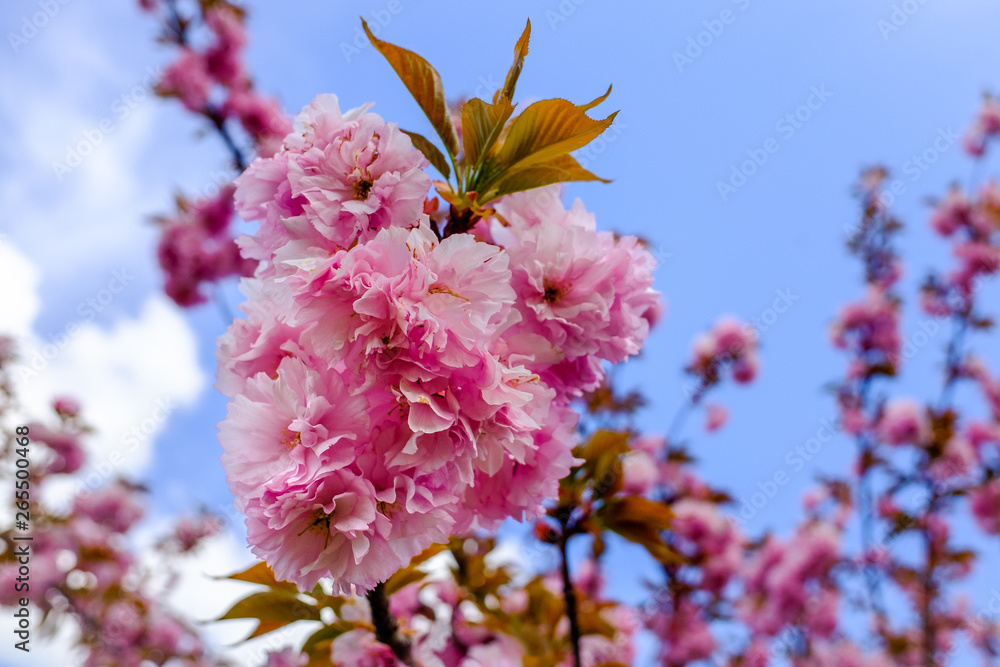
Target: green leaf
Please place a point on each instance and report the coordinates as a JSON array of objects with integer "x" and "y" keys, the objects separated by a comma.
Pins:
[
  {"x": 520, "y": 51},
  {"x": 482, "y": 124},
  {"x": 272, "y": 606},
  {"x": 640, "y": 520},
  {"x": 431, "y": 152},
  {"x": 562, "y": 169},
  {"x": 546, "y": 130},
  {"x": 320, "y": 640},
  {"x": 424, "y": 83},
  {"x": 265, "y": 627},
  {"x": 261, "y": 573}
]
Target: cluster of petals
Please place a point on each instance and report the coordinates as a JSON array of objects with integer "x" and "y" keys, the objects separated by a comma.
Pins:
[
  {"x": 904, "y": 421},
  {"x": 985, "y": 127},
  {"x": 731, "y": 343},
  {"x": 214, "y": 81},
  {"x": 197, "y": 247},
  {"x": 786, "y": 582},
  {"x": 870, "y": 328},
  {"x": 714, "y": 542},
  {"x": 389, "y": 387}
]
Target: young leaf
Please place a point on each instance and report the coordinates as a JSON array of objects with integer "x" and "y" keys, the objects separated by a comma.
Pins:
[
  {"x": 403, "y": 578},
  {"x": 520, "y": 51},
  {"x": 320, "y": 640},
  {"x": 430, "y": 151},
  {"x": 547, "y": 130},
  {"x": 594, "y": 103},
  {"x": 260, "y": 573},
  {"x": 264, "y": 627},
  {"x": 562, "y": 169},
  {"x": 424, "y": 83},
  {"x": 481, "y": 127},
  {"x": 639, "y": 520},
  {"x": 272, "y": 606}
]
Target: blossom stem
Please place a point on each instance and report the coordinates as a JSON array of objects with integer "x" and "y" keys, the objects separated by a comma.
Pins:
[{"x": 387, "y": 627}]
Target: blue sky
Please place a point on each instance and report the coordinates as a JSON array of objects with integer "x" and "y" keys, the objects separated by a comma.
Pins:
[{"x": 702, "y": 87}]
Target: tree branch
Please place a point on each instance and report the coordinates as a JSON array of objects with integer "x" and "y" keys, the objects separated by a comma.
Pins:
[
  {"x": 387, "y": 627},
  {"x": 570, "y": 596}
]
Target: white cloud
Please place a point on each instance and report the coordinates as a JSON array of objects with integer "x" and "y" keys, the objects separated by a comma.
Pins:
[
  {"x": 19, "y": 300},
  {"x": 129, "y": 378}
]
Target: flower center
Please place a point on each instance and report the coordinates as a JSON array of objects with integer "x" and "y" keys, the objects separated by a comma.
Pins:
[
  {"x": 291, "y": 439},
  {"x": 552, "y": 292},
  {"x": 363, "y": 188}
]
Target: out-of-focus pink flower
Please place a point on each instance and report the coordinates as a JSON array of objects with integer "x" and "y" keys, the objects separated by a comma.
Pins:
[
  {"x": 951, "y": 213},
  {"x": 66, "y": 406},
  {"x": 223, "y": 58},
  {"x": 716, "y": 417},
  {"x": 286, "y": 657},
  {"x": 188, "y": 80},
  {"x": 729, "y": 343},
  {"x": 869, "y": 326},
  {"x": 904, "y": 421},
  {"x": 261, "y": 117},
  {"x": 115, "y": 507},
  {"x": 984, "y": 502}
]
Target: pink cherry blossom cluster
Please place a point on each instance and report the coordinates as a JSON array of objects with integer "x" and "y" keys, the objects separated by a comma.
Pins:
[
  {"x": 83, "y": 566},
  {"x": 213, "y": 81},
  {"x": 729, "y": 344},
  {"x": 389, "y": 386},
  {"x": 985, "y": 127},
  {"x": 197, "y": 247},
  {"x": 196, "y": 244}
]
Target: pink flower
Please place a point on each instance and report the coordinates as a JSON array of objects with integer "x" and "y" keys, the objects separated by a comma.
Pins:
[
  {"x": 984, "y": 502},
  {"x": 67, "y": 450},
  {"x": 352, "y": 174},
  {"x": 187, "y": 79},
  {"x": 952, "y": 213},
  {"x": 196, "y": 248},
  {"x": 359, "y": 648},
  {"x": 222, "y": 59},
  {"x": 261, "y": 117},
  {"x": 582, "y": 294},
  {"x": 286, "y": 657},
  {"x": 639, "y": 472},
  {"x": 730, "y": 343},
  {"x": 279, "y": 430},
  {"x": 114, "y": 507},
  {"x": 903, "y": 421},
  {"x": 870, "y": 326},
  {"x": 686, "y": 637},
  {"x": 716, "y": 417},
  {"x": 716, "y": 544},
  {"x": 66, "y": 406}
]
